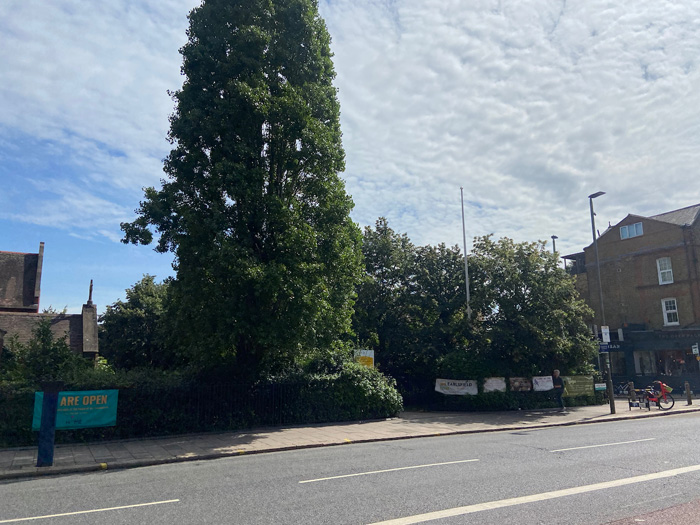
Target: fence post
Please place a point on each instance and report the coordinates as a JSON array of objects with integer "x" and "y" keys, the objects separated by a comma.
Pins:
[{"x": 688, "y": 393}]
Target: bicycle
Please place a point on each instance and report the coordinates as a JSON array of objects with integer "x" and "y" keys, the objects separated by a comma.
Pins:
[{"x": 661, "y": 396}]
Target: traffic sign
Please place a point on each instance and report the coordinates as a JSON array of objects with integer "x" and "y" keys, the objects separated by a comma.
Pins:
[
  {"x": 696, "y": 351},
  {"x": 603, "y": 347}
]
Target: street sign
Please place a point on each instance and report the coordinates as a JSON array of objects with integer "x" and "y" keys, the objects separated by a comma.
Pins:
[
  {"x": 695, "y": 349},
  {"x": 603, "y": 347},
  {"x": 605, "y": 330}
]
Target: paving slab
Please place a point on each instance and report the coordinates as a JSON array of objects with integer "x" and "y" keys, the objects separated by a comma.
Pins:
[{"x": 20, "y": 462}]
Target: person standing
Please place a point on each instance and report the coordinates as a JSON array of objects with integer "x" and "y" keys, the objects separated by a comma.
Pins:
[{"x": 558, "y": 384}]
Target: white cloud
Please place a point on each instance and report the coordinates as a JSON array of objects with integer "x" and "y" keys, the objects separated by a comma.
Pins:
[{"x": 530, "y": 105}]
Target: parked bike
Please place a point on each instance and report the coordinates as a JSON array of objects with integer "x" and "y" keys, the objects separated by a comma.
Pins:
[{"x": 659, "y": 393}]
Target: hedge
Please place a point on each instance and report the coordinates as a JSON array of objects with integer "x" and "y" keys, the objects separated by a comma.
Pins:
[{"x": 151, "y": 409}]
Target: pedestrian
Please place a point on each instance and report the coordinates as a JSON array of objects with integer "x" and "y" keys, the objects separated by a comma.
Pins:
[{"x": 558, "y": 384}]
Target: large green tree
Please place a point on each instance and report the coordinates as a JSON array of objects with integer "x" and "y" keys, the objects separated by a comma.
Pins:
[
  {"x": 253, "y": 207},
  {"x": 530, "y": 318},
  {"x": 381, "y": 302},
  {"x": 133, "y": 333},
  {"x": 527, "y": 316},
  {"x": 411, "y": 306}
]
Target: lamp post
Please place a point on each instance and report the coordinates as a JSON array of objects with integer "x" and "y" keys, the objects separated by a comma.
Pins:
[
  {"x": 609, "y": 385},
  {"x": 466, "y": 266},
  {"x": 554, "y": 243}
]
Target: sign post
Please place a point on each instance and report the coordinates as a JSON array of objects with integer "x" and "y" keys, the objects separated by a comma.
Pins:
[{"x": 47, "y": 420}]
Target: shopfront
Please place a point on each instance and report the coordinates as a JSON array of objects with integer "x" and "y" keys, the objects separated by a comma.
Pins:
[{"x": 647, "y": 356}]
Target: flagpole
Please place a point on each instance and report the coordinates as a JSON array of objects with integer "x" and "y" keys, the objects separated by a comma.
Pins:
[{"x": 466, "y": 266}]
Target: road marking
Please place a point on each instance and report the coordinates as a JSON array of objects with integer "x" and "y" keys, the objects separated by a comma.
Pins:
[
  {"x": 389, "y": 470},
  {"x": 498, "y": 504},
  {"x": 604, "y": 445},
  {"x": 15, "y": 520}
]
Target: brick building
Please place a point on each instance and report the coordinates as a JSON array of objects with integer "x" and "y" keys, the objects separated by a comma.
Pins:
[
  {"x": 650, "y": 275},
  {"x": 20, "y": 290}
]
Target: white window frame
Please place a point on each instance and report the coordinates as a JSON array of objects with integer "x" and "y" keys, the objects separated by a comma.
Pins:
[
  {"x": 631, "y": 230},
  {"x": 670, "y": 311},
  {"x": 665, "y": 274}
]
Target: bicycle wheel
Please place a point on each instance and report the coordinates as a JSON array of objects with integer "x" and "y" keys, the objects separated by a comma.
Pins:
[{"x": 665, "y": 404}]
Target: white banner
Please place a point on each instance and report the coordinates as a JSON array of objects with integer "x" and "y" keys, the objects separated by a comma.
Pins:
[
  {"x": 542, "y": 383},
  {"x": 495, "y": 384},
  {"x": 456, "y": 387},
  {"x": 520, "y": 384}
]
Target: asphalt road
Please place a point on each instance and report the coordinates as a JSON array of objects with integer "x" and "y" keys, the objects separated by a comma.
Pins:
[{"x": 582, "y": 474}]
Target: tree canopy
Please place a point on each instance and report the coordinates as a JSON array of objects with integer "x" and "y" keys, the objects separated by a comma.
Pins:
[
  {"x": 531, "y": 319},
  {"x": 133, "y": 332},
  {"x": 253, "y": 206},
  {"x": 527, "y": 317}
]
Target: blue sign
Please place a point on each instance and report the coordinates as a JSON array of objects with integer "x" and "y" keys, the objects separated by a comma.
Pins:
[
  {"x": 83, "y": 409},
  {"x": 604, "y": 347}
]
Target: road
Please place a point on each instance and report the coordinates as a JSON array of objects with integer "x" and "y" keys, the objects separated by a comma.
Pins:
[{"x": 578, "y": 475}]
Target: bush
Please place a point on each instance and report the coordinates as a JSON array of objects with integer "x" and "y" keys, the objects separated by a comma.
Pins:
[
  {"x": 355, "y": 392},
  {"x": 157, "y": 403},
  {"x": 44, "y": 358}
]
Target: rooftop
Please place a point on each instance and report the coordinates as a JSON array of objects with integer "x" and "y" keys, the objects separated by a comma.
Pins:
[{"x": 682, "y": 217}]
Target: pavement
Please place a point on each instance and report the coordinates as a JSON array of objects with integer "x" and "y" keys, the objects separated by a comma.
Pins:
[{"x": 16, "y": 463}]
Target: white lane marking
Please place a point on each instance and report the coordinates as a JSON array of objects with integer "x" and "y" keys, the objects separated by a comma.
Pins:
[
  {"x": 604, "y": 445},
  {"x": 89, "y": 511},
  {"x": 389, "y": 470},
  {"x": 498, "y": 504}
]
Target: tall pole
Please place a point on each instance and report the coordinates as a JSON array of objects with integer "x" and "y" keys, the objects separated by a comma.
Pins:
[
  {"x": 609, "y": 385},
  {"x": 597, "y": 259},
  {"x": 554, "y": 243},
  {"x": 466, "y": 265}
]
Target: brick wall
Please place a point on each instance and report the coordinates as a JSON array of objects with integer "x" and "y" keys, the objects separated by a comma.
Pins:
[
  {"x": 62, "y": 325},
  {"x": 628, "y": 270}
]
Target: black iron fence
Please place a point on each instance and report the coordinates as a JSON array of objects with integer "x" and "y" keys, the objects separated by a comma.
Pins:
[{"x": 158, "y": 411}]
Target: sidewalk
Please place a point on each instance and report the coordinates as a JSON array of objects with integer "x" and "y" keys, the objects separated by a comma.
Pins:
[{"x": 20, "y": 462}]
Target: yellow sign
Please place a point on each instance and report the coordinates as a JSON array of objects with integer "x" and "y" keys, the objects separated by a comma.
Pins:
[{"x": 365, "y": 357}]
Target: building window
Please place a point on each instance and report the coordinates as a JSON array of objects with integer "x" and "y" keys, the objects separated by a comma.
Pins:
[
  {"x": 670, "y": 312},
  {"x": 663, "y": 266},
  {"x": 632, "y": 230}
]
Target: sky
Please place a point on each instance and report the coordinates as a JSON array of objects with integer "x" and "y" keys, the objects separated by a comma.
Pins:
[{"x": 529, "y": 105}]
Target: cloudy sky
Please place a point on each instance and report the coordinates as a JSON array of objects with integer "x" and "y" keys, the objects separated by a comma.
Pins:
[{"x": 530, "y": 105}]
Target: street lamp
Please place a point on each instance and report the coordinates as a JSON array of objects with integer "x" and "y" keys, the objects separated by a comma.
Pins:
[
  {"x": 609, "y": 386},
  {"x": 554, "y": 243},
  {"x": 466, "y": 266},
  {"x": 597, "y": 260}
]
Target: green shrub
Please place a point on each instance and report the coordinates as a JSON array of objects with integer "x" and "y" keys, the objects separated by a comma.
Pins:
[{"x": 156, "y": 403}]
